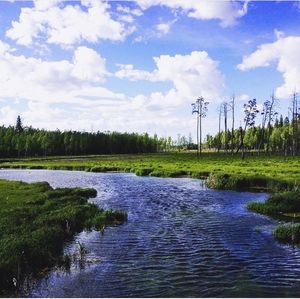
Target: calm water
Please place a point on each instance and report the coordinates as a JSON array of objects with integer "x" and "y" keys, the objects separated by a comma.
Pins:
[{"x": 181, "y": 240}]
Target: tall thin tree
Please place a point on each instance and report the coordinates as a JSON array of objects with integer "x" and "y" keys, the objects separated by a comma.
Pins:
[
  {"x": 200, "y": 108},
  {"x": 225, "y": 108},
  {"x": 250, "y": 110},
  {"x": 232, "y": 106},
  {"x": 219, "y": 136}
]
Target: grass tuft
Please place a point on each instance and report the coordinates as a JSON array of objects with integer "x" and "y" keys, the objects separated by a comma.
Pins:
[{"x": 36, "y": 220}]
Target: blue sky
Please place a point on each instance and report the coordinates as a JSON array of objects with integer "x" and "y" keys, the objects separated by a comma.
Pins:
[{"x": 138, "y": 65}]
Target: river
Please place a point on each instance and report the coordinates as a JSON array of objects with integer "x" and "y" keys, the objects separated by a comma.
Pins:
[{"x": 181, "y": 240}]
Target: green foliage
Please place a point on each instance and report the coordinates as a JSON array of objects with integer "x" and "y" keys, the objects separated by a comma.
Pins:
[
  {"x": 288, "y": 233},
  {"x": 278, "y": 203},
  {"x": 35, "y": 220},
  {"x": 22, "y": 142},
  {"x": 287, "y": 205},
  {"x": 250, "y": 182},
  {"x": 143, "y": 171},
  {"x": 276, "y": 138},
  {"x": 104, "y": 168}
]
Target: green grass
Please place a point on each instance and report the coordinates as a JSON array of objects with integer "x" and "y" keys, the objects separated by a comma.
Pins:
[
  {"x": 288, "y": 233},
  {"x": 35, "y": 222},
  {"x": 282, "y": 205},
  {"x": 263, "y": 172}
]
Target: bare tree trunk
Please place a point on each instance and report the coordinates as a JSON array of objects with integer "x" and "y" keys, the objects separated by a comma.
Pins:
[
  {"x": 225, "y": 126},
  {"x": 293, "y": 125},
  {"x": 232, "y": 129},
  {"x": 270, "y": 119},
  {"x": 219, "y": 141},
  {"x": 296, "y": 124},
  {"x": 243, "y": 145},
  {"x": 198, "y": 135}
]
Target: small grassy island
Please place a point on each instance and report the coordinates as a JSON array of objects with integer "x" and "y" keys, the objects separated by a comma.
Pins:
[
  {"x": 285, "y": 205},
  {"x": 35, "y": 222}
]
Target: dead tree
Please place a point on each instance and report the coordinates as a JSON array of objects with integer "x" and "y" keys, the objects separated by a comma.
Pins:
[
  {"x": 295, "y": 115},
  {"x": 200, "y": 108},
  {"x": 250, "y": 110},
  {"x": 232, "y": 106}
]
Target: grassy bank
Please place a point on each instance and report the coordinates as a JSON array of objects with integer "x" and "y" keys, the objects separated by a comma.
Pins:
[
  {"x": 285, "y": 205},
  {"x": 225, "y": 171},
  {"x": 36, "y": 220}
]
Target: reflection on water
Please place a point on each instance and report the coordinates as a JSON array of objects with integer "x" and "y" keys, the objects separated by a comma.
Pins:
[{"x": 181, "y": 240}]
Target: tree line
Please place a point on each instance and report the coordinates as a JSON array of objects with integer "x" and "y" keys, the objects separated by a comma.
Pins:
[
  {"x": 271, "y": 133},
  {"x": 20, "y": 141}
]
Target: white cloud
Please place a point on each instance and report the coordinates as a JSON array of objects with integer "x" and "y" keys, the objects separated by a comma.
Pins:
[
  {"x": 63, "y": 94},
  {"x": 243, "y": 97},
  {"x": 285, "y": 52},
  {"x": 128, "y": 71},
  {"x": 164, "y": 28},
  {"x": 66, "y": 24},
  {"x": 38, "y": 80},
  {"x": 192, "y": 75},
  {"x": 225, "y": 11},
  {"x": 88, "y": 65},
  {"x": 129, "y": 11}
]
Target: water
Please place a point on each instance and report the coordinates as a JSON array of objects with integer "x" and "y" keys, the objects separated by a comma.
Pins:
[{"x": 181, "y": 240}]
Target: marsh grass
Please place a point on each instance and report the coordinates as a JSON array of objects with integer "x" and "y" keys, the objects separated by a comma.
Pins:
[
  {"x": 285, "y": 205},
  {"x": 288, "y": 233},
  {"x": 271, "y": 173},
  {"x": 36, "y": 220},
  {"x": 241, "y": 182}
]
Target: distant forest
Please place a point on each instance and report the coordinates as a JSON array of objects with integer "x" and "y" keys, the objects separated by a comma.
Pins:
[
  {"x": 270, "y": 133},
  {"x": 19, "y": 141},
  {"x": 282, "y": 137}
]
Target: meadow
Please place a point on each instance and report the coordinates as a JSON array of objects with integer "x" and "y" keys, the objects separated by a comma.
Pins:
[
  {"x": 36, "y": 221},
  {"x": 224, "y": 171}
]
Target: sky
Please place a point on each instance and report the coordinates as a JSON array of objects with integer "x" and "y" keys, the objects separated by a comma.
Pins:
[{"x": 137, "y": 66}]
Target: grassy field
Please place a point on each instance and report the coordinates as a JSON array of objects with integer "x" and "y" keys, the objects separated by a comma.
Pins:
[
  {"x": 35, "y": 222},
  {"x": 268, "y": 172}
]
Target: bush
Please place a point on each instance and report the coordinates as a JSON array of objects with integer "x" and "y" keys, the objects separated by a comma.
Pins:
[
  {"x": 143, "y": 171},
  {"x": 279, "y": 203},
  {"x": 242, "y": 183},
  {"x": 288, "y": 233}
]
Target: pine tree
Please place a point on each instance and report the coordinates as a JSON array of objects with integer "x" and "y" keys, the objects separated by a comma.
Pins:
[{"x": 19, "y": 126}]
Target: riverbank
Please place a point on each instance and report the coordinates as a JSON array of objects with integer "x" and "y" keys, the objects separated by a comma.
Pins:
[
  {"x": 36, "y": 221},
  {"x": 284, "y": 205},
  {"x": 269, "y": 173}
]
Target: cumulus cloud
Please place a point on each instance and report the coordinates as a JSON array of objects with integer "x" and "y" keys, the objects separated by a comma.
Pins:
[
  {"x": 191, "y": 75},
  {"x": 285, "y": 53},
  {"x": 225, "y": 11},
  {"x": 66, "y": 24},
  {"x": 35, "y": 79},
  {"x": 88, "y": 65},
  {"x": 67, "y": 94}
]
